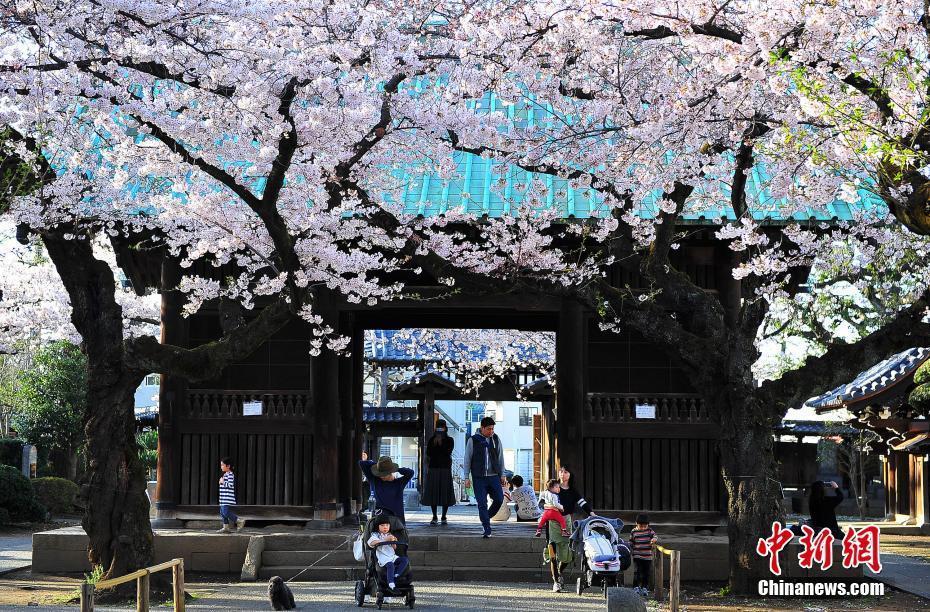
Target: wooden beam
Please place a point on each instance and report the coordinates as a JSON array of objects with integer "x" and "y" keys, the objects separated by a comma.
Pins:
[
  {"x": 570, "y": 389},
  {"x": 172, "y": 395}
]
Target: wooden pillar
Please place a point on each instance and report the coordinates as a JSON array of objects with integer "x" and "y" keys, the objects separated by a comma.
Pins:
[
  {"x": 427, "y": 426},
  {"x": 571, "y": 360},
  {"x": 327, "y": 423},
  {"x": 172, "y": 397},
  {"x": 347, "y": 447},
  {"x": 890, "y": 501},
  {"x": 920, "y": 490},
  {"x": 358, "y": 425},
  {"x": 730, "y": 289}
]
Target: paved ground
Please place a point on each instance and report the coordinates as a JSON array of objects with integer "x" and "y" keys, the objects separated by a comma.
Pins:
[
  {"x": 909, "y": 574},
  {"x": 15, "y": 552}
]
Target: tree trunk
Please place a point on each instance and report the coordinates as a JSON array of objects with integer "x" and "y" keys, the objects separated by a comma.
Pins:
[
  {"x": 117, "y": 510},
  {"x": 751, "y": 480}
]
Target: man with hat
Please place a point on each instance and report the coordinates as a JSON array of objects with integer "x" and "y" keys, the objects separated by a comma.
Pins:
[{"x": 388, "y": 481}]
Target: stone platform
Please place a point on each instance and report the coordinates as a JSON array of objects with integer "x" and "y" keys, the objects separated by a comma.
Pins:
[{"x": 455, "y": 552}]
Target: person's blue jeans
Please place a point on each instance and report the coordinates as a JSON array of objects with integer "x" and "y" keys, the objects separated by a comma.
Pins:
[
  {"x": 228, "y": 515},
  {"x": 488, "y": 486},
  {"x": 395, "y": 568}
]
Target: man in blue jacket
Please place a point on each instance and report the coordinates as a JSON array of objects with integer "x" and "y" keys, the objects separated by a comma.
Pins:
[
  {"x": 388, "y": 482},
  {"x": 484, "y": 459}
]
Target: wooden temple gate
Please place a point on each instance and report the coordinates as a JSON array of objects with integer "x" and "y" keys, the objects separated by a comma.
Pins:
[{"x": 296, "y": 456}]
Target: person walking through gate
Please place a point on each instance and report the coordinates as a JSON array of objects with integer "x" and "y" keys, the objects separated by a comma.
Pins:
[
  {"x": 438, "y": 489},
  {"x": 388, "y": 481},
  {"x": 484, "y": 459}
]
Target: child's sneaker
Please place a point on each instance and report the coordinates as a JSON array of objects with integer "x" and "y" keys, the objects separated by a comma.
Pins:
[{"x": 538, "y": 533}]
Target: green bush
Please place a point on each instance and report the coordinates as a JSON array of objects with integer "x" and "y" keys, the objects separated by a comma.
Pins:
[
  {"x": 922, "y": 375},
  {"x": 56, "y": 494},
  {"x": 11, "y": 452},
  {"x": 18, "y": 497}
]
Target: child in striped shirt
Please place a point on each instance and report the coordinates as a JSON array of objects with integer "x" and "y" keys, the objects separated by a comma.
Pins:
[
  {"x": 227, "y": 496},
  {"x": 641, "y": 540}
]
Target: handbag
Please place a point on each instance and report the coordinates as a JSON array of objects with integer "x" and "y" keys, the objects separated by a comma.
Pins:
[{"x": 358, "y": 548}]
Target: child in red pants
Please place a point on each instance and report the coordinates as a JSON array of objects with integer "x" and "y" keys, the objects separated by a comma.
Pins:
[{"x": 553, "y": 509}]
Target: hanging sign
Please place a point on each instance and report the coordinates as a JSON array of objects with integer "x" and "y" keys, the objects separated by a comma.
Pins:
[
  {"x": 645, "y": 411},
  {"x": 251, "y": 409}
]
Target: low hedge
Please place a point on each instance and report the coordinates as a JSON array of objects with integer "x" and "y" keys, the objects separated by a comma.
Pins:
[
  {"x": 56, "y": 494},
  {"x": 17, "y": 496}
]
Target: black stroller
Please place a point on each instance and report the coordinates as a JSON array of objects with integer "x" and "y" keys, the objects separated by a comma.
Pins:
[{"x": 375, "y": 582}]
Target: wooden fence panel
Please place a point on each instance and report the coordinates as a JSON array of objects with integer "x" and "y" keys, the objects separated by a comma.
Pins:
[
  {"x": 652, "y": 474},
  {"x": 271, "y": 469}
]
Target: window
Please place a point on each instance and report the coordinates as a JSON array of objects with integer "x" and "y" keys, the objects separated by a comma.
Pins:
[
  {"x": 152, "y": 380},
  {"x": 474, "y": 412},
  {"x": 526, "y": 416},
  {"x": 524, "y": 465}
]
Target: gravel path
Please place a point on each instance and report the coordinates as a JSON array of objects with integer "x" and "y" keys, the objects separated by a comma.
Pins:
[{"x": 336, "y": 596}]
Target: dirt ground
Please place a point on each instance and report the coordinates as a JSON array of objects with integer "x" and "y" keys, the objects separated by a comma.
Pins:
[
  {"x": 906, "y": 545},
  {"x": 24, "y": 589}
]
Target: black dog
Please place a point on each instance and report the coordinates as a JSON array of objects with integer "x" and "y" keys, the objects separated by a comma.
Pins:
[{"x": 279, "y": 594}]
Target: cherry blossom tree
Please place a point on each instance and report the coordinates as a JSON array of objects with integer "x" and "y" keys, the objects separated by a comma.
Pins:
[
  {"x": 475, "y": 357},
  {"x": 267, "y": 140}
]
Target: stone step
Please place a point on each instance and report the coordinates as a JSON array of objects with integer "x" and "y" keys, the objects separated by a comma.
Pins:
[
  {"x": 327, "y": 542},
  {"x": 435, "y": 573},
  {"x": 277, "y": 558}
]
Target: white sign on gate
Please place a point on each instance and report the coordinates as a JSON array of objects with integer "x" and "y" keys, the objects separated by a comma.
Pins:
[
  {"x": 645, "y": 411},
  {"x": 251, "y": 409}
]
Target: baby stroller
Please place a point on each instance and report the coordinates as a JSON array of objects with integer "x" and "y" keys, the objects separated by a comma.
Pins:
[
  {"x": 375, "y": 582},
  {"x": 604, "y": 556}
]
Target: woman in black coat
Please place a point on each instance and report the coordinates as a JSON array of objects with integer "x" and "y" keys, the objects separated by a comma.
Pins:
[
  {"x": 438, "y": 489},
  {"x": 823, "y": 507}
]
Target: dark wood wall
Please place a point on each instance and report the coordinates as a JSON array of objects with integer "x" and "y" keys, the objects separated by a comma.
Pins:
[{"x": 657, "y": 474}]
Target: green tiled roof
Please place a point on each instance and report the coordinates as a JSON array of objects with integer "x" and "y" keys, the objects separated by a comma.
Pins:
[{"x": 488, "y": 187}]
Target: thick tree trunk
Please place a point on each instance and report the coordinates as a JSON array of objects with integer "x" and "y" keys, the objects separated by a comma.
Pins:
[
  {"x": 751, "y": 480},
  {"x": 117, "y": 510}
]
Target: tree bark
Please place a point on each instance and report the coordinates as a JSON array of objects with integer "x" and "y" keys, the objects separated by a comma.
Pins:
[
  {"x": 748, "y": 464},
  {"x": 117, "y": 510}
]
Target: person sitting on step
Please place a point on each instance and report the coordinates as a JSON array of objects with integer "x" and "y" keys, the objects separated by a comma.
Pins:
[{"x": 552, "y": 508}]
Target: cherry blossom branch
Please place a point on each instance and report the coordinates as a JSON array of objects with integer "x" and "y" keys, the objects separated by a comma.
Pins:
[{"x": 843, "y": 361}]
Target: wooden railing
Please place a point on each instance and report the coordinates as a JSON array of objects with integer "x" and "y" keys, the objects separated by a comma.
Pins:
[
  {"x": 223, "y": 404},
  {"x": 142, "y": 586},
  {"x": 674, "y": 579},
  {"x": 669, "y": 407}
]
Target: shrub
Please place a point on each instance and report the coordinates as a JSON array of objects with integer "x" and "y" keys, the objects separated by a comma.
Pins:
[
  {"x": 11, "y": 452},
  {"x": 4, "y": 516},
  {"x": 17, "y": 496},
  {"x": 56, "y": 494}
]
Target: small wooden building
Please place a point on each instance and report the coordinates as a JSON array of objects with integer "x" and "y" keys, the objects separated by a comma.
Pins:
[{"x": 878, "y": 399}]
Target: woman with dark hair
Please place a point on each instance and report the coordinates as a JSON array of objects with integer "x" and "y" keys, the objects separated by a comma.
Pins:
[
  {"x": 823, "y": 507},
  {"x": 437, "y": 491},
  {"x": 558, "y": 552}
]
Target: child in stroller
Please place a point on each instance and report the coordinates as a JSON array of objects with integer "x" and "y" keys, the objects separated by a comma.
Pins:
[
  {"x": 604, "y": 556},
  {"x": 387, "y": 568}
]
